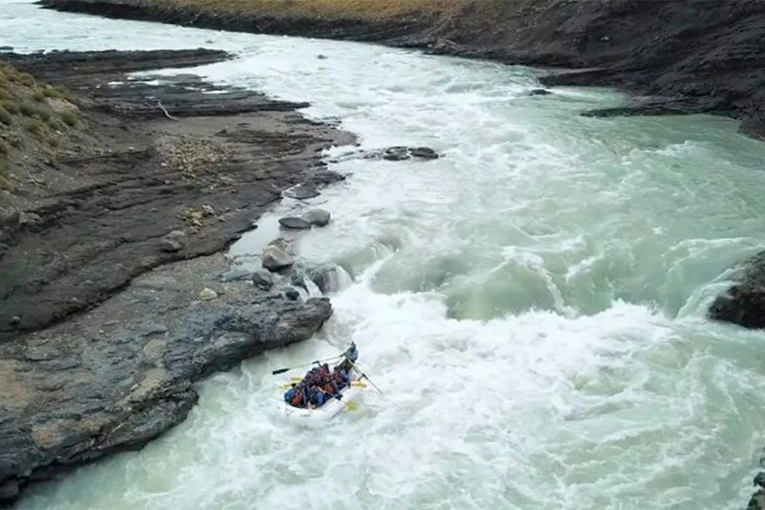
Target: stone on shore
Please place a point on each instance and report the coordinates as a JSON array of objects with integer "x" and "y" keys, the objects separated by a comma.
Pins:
[
  {"x": 208, "y": 295},
  {"x": 293, "y": 223},
  {"x": 274, "y": 258},
  {"x": 262, "y": 279},
  {"x": 317, "y": 217}
]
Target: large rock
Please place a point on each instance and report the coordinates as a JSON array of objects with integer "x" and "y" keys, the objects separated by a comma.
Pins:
[
  {"x": 294, "y": 223},
  {"x": 744, "y": 302},
  {"x": 262, "y": 279},
  {"x": 317, "y": 217},
  {"x": 69, "y": 400},
  {"x": 274, "y": 258}
]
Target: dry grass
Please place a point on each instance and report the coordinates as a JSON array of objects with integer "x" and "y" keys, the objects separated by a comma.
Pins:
[{"x": 337, "y": 9}]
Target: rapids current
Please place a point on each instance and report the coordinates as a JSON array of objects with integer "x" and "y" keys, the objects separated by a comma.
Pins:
[{"x": 532, "y": 304}]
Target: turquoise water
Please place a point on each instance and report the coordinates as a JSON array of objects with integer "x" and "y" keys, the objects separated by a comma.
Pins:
[{"x": 532, "y": 304}]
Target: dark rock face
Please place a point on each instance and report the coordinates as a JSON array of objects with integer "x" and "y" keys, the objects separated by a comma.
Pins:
[
  {"x": 69, "y": 401},
  {"x": 744, "y": 303}
]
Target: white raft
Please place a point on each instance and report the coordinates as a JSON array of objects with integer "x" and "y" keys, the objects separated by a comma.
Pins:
[{"x": 326, "y": 412}]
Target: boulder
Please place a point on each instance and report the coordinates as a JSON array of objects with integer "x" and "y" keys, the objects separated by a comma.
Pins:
[
  {"x": 293, "y": 223},
  {"x": 317, "y": 217},
  {"x": 262, "y": 279},
  {"x": 423, "y": 153},
  {"x": 744, "y": 302},
  {"x": 274, "y": 258}
]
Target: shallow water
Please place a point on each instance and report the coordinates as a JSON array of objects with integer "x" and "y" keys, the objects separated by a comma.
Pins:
[{"x": 532, "y": 304}]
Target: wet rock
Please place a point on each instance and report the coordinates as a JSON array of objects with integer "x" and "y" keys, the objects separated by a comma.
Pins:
[
  {"x": 15, "y": 320},
  {"x": 317, "y": 217},
  {"x": 273, "y": 258},
  {"x": 539, "y": 92},
  {"x": 423, "y": 153},
  {"x": 284, "y": 244},
  {"x": 744, "y": 302},
  {"x": 208, "y": 295},
  {"x": 262, "y": 279},
  {"x": 324, "y": 276},
  {"x": 292, "y": 294},
  {"x": 294, "y": 223},
  {"x": 238, "y": 274},
  {"x": 396, "y": 154},
  {"x": 302, "y": 192}
]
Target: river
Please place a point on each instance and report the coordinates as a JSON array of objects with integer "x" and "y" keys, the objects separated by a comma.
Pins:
[{"x": 532, "y": 304}]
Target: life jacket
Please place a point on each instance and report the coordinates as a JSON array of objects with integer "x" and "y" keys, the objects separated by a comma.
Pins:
[{"x": 297, "y": 400}]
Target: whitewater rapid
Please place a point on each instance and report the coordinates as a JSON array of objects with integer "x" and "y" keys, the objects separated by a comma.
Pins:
[{"x": 531, "y": 304}]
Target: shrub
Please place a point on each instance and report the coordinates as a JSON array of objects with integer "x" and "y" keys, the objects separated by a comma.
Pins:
[
  {"x": 5, "y": 117},
  {"x": 26, "y": 79},
  {"x": 43, "y": 114},
  {"x": 5, "y": 95},
  {"x": 16, "y": 142},
  {"x": 4, "y": 149},
  {"x": 35, "y": 126},
  {"x": 70, "y": 118},
  {"x": 38, "y": 96},
  {"x": 5, "y": 169},
  {"x": 10, "y": 106},
  {"x": 28, "y": 110}
]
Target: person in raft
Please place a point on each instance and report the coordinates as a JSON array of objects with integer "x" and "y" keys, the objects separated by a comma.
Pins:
[{"x": 320, "y": 384}]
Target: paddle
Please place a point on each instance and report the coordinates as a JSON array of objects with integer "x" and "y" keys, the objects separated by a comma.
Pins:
[
  {"x": 319, "y": 361},
  {"x": 363, "y": 375}
]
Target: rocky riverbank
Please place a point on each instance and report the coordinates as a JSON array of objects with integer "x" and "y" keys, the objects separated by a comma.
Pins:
[
  {"x": 154, "y": 159},
  {"x": 153, "y": 178},
  {"x": 676, "y": 57}
]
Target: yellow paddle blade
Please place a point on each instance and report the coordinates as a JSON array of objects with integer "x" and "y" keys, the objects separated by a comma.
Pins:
[
  {"x": 359, "y": 384},
  {"x": 351, "y": 406}
]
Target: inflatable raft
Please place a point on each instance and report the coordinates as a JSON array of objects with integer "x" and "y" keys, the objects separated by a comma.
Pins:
[{"x": 327, "y": 411}]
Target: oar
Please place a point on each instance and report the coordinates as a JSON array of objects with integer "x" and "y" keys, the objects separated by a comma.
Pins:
[
  {"x": 363, "y": 375},
  {"x": 319, "y": 361}
]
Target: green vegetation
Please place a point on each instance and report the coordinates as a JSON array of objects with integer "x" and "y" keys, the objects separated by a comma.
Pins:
[
  {"x": 5, "y": 117},
  {"x": 10, "y": 106},
  {"x": 36, "y": 127},
  {"x": 5, "y": 169},
  {"x": 70, "y": 118},
  {"x": 27, "y": 109},
  {"x": 30, "y": 127}
]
